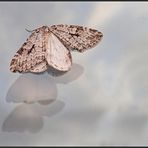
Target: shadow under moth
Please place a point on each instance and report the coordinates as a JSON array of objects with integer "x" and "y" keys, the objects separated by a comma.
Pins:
[{"x": 50, "y": 46}]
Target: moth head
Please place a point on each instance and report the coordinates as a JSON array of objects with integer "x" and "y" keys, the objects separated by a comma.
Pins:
[{"x": 44, "y": 29}]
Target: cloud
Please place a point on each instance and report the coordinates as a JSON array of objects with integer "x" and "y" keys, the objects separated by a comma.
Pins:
[{"x": 103, "y": 12}]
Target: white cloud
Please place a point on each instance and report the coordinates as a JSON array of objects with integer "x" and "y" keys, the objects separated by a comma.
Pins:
[{"x": 103, "y": 12}]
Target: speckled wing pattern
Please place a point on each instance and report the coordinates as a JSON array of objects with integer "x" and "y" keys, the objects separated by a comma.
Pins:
[
  {"x": 51, "y": 45},
  {"x": 31, "y": 56},
  {"x": 77, "y": 37}
]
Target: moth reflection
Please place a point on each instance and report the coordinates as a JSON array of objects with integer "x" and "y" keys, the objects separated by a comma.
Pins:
[
  {"x": 31, "y": 87},
  {"x": 29, "y": 117}
]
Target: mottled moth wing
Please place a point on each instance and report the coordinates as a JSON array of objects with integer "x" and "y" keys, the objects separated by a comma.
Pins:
[
  {"x": 58, "y": 56},
  {"x": 77, "y": 37},
  {"x": 31, "y": 56}
]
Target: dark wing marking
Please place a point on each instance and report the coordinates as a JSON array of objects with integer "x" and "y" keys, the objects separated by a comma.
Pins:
[
  {"x": 77, "y": 37},
  {"x": 31, "y": 56}
]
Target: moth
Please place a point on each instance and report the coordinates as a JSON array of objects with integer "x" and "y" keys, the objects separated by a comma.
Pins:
[{"x": 51, "y": 46}]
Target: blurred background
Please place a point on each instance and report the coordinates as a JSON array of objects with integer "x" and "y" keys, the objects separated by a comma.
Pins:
[{"x": 103, "y": 99}]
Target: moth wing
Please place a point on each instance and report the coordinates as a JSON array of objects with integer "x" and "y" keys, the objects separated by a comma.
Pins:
[
  {"x": 58, "y": 56},
  {"x": 40, "y": 67},
  {"x": 31, "y": 56},
  {"x": 77, "y": 37}
]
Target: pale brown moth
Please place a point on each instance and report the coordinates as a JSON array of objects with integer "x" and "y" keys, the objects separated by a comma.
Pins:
[{"x": 51, "y": 46}]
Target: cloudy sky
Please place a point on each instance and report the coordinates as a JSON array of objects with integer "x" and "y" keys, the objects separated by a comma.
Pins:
[{"x": 103, "y": 99}]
